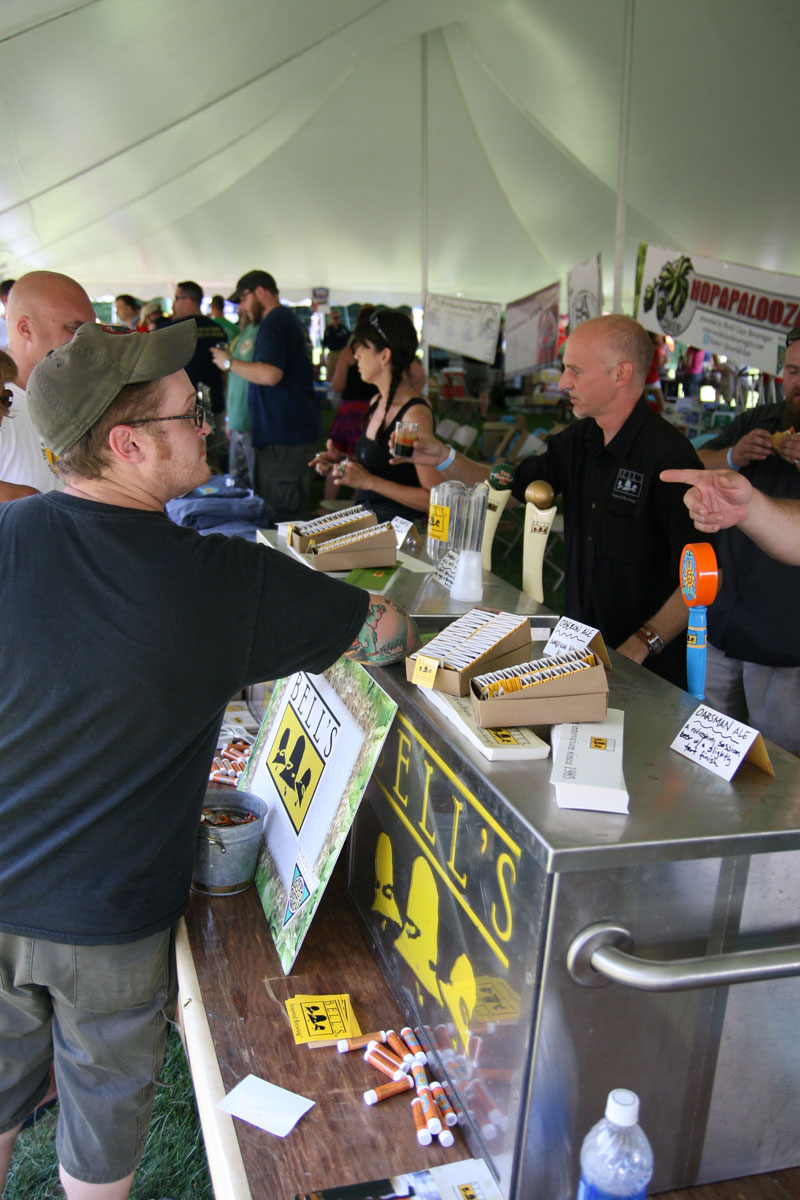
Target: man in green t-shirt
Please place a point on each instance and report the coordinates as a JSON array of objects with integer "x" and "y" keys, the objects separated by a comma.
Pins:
[
  {"x": 240, "y": 454},
  {"x": 217, "y": 310}
]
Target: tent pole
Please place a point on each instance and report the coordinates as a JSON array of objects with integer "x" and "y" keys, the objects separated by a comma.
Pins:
[
  {"x": 622, "y": 165},
  {"x": 423, "y": 200}
]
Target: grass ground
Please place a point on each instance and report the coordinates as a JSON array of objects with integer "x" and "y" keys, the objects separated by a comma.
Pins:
[{"x": 174, "y": 1163}]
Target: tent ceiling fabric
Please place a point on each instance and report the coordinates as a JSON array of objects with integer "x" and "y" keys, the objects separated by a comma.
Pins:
[{"x": 150, "y": 142}]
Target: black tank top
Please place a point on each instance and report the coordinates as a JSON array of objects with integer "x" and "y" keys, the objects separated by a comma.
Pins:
[{"x": 373, "y": 454}]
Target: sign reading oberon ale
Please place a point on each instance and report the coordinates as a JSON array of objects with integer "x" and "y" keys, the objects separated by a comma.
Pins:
[{"x": 454, "y": 906}]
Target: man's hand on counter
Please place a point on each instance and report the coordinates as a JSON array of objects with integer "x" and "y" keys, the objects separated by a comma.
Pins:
[
  {"x": 387, "y": 635},
  {"x": 634, "y": 649}
]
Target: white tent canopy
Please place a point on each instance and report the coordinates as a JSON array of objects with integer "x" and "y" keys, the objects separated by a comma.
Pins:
[{"x": 370, "y": 145}]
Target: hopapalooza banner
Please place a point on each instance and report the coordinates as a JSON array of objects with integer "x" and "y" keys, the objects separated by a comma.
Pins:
[{"x": 741, "y": 312}]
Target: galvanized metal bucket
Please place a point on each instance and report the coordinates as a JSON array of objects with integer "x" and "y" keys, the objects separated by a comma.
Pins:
[{"x": 226, "y": 855}]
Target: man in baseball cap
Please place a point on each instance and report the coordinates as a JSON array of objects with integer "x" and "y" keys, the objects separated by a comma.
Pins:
[
  {"x": 285, "y": 421},
  {"x": 114, "y": 689},
  {"x": 250, "y": 281}
]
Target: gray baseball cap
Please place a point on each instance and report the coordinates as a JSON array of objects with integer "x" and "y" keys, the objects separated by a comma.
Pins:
[{"x": 71, "y": 388}]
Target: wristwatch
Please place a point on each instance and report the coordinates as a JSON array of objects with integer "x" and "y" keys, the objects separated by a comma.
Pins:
[
  {"x": 226, "y": 364},
  {"x": 651, "y": 639}
]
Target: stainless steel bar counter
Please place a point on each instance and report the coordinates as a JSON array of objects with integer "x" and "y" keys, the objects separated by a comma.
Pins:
[
  {"x": 497, "y": 919},
  {"x": 481, "y": 900}
]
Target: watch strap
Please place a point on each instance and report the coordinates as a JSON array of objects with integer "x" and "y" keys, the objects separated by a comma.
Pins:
[{"x": 651, "y": 639}]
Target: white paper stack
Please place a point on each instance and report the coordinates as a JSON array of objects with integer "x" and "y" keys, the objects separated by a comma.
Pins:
[
  {"x": 587, "y": 765},
  {"x": 498, "y": 745}
]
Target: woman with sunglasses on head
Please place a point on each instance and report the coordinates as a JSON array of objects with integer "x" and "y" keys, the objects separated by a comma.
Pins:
[{"x": 384, "y": 344}]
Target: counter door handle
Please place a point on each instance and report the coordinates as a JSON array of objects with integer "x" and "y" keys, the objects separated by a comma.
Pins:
[{"x": 601, "y": 954}]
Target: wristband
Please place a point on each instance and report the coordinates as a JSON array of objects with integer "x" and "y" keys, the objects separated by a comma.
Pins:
[
  {"x": 730, "y": 461},
  {"x": 447, "y": 462}
]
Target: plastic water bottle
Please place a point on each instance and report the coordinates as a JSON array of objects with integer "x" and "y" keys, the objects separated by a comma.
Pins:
[{"x": 616, "y": 1159}]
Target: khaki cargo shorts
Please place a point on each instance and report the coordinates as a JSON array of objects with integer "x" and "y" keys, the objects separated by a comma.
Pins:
[{"x": 101, "y": 1015}]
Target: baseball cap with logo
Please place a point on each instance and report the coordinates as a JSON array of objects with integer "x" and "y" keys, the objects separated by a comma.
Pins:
[
  {"x": 249, "y": 283},
  {"x": 71, "y": 388}
]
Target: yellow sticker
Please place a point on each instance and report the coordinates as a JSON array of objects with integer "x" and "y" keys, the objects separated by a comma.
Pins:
[
  {"x": 425, "y": 671},
  {"x": 496, "y": 1000},
  {"x": 503, "y": 737},
  {"x": 439, "y": 522},
  {"x": 598, "y": 743},
  {"x": 321, "y": 1019}
]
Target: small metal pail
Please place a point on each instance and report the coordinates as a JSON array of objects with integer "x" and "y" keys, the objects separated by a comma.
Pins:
[{"x": 226, "y": 855}]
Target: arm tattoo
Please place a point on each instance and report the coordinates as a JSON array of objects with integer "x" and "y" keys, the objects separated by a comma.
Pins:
[{"x": 380, "y": 645}]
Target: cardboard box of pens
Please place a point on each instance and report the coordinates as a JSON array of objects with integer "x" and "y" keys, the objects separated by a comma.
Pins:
[
  {"x": 481, "y": 640},
  {"x": 304, "y": 535},
  {"x": 373, "y": 546},
  {"x": 546, "y": 691}
]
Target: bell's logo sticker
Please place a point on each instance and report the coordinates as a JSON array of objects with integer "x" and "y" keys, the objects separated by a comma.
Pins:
[
  {"x": 439, "y": 522},
  {"x": 503, "y": 737},
  {"x": 425, "y": 669},
  {"x": 295, "y": 765},
  {"x": 601, "y": 743},
  {"x": 496, "y": 1000}
]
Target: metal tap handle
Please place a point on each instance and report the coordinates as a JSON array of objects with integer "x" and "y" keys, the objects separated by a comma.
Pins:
[{"x": 600, "y": 954}]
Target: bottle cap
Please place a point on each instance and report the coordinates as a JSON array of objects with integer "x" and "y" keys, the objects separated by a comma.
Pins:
[{"x": 622, "y": 1107}]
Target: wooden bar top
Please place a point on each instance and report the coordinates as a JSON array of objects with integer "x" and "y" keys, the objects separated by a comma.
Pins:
[{"x": 340, "y": 1140}]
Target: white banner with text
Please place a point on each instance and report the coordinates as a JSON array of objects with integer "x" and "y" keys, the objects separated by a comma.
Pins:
[{"x": 741, "y": 312}]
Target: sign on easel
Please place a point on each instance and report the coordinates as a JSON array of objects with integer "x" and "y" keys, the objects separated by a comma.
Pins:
[
  {"x": 721, "y": 744},
  {"x": 312, "y": 759}
]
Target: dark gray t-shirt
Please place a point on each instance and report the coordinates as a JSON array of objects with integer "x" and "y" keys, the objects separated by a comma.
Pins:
[{"x": 123, "y": 638}]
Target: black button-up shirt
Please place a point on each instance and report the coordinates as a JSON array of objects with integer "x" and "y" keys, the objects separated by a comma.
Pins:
[
  {"x": 624, "y": 530},
  {"x": 755, "y": 616}
]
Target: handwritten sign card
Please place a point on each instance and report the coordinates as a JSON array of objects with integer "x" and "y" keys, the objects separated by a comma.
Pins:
[
  {"x": 721, "y": 744},
  {"x": 572, "y": 635}
]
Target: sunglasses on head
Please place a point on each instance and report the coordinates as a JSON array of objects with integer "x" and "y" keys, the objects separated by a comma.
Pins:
[{"x": 374, "y": 320}]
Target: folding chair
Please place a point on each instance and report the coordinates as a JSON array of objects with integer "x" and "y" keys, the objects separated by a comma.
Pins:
[{"x": 463, "y": 437}]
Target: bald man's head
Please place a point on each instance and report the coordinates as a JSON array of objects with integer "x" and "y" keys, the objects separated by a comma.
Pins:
[{"x": 44, "y": 311}]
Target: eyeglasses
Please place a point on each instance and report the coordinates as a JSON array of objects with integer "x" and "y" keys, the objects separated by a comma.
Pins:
[
  {"x": 244, "y": 292},
  {"x": 793, "y": 335},
  {"x": 198, "y": 415},
  {"x": 176, "y": 298},
  {"x": 373, "y": 320}
]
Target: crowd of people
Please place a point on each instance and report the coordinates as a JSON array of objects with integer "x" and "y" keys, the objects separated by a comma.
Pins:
[{"x": 109, "y": 662}]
